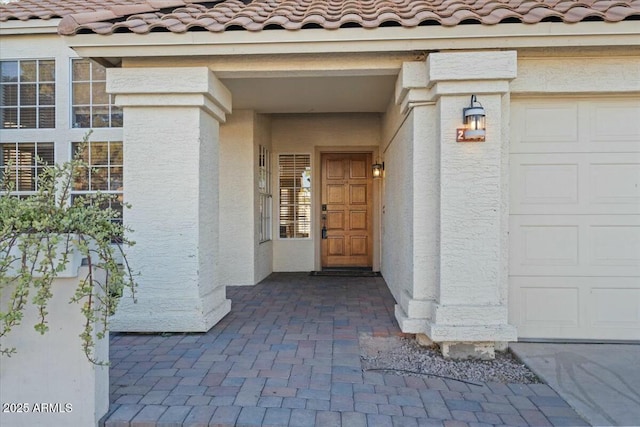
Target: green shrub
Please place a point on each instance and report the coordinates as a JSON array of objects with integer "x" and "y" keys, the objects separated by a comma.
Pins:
[{"x": 39, "y": 234}]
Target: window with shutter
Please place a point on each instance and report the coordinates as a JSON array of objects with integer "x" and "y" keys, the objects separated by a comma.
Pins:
[
  {"x": 21, "y": 164},
  {"x": 295, "y": 196}
]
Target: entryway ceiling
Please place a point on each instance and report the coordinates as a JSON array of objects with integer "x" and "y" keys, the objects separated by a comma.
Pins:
[{"x": 312, "y": 94}]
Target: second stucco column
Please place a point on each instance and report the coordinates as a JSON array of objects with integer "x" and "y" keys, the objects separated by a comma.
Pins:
[
  {"x": 470, "y": 312},
  {"x": 171, "y": 152}
]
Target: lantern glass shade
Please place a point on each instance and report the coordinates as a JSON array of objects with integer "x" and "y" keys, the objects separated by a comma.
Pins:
[
  {"x": 474, "y": 118},
  {"x": 377, "y": 170}
]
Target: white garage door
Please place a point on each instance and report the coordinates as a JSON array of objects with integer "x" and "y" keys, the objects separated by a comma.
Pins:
[{"x": 574, "y": 269}]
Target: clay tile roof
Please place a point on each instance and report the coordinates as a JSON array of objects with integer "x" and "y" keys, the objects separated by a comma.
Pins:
[
  {"x": 179, "y": 16},
  {"x": 48, "y": 9}
]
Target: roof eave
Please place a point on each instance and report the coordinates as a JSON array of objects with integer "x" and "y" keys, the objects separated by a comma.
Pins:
[
  {"x": 31, "y": 26},
  {"x": 388, "y": 39}
]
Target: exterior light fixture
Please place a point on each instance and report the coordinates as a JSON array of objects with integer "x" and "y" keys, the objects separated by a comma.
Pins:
[
  {"x": 377, "y": 169},
  {"x": 474, "y": 121}
]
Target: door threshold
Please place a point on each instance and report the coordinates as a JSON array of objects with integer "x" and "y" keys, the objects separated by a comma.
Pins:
[
  {"x": 347, "y": 268},
  {"x": 346, "y": 272}
]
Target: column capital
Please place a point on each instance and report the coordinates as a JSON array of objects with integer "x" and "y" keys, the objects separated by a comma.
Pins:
[
  {"x": 461, "y": 73},
  {"x": 454, "y": 73},
  {"x": 412, "y": 75},
  {"x": 178, "y": 87},
  {"x": 412, "y": 86},
  {"x": 465, "y": 66}
]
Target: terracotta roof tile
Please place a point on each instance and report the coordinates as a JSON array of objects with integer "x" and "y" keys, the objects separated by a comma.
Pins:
[
  {"x": 179, "y": 16},
  {"x": 48, "y": 9}
]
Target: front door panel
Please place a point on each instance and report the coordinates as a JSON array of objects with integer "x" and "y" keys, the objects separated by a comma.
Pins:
[{"x": 347, "y": 209}]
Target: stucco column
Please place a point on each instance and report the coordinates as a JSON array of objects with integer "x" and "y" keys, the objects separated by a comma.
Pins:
[
  {"x": 411, "y": 251},
  {"x": 471, "y": 300},
  {"x": 171, "y": 151}
]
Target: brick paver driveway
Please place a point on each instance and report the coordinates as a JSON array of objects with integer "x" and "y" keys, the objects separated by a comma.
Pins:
[{"x": 288, "y": 354}]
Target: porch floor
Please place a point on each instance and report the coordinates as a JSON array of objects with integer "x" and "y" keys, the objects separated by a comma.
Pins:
[{"x": 288, "y": 354}]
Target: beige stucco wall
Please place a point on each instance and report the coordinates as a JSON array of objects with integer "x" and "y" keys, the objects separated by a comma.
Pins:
[
  {"x": 51, "y": 370},
  {"x": 312, "y": 134},
  {"x": 397, "y": 211},
  {"x": 237, "y": 194},
  {"x": 426, "y": 213},
  {"x": 590, "y": 72},
  {"x": 410, "y": 219},
  {"x": 243, "y": 259}
]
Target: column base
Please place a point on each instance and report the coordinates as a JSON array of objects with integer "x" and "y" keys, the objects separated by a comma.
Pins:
[
  {"x": 167, "y": 315},
  {"x": 471, "y": 342},
  {"x": 464, "y": 350},
  {"x": 468, "y": 350},
  {"x": 471, "y": 333},
  {"x": 407, "y": 324}
]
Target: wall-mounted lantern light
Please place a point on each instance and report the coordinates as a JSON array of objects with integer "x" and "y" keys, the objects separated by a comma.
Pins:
[
  {"x": 474, "y": 121},
  {"x": 377, "y": 169}
]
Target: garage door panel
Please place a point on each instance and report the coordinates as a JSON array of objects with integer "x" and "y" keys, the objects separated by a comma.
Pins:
[
  {"x": 582, "y": 183},
  {"x": 615, "y": 123},
  {"x": 616, "y": 182},
  {"x": 550, "y": 306},
  {"x": 544, "y": 245},
  {"x": 583, "y": 125},
  {"x": 576, "y": 307},
  {"x": 615, "y": 245},
  {"x": 545, "y": 125},
  {"x": 543, "y": 182},
  {"x": 574, "y": 245},
  {"x": 615, "y": 307}
]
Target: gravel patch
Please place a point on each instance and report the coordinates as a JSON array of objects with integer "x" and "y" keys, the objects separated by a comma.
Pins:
[{"x": 405, "y": 356}]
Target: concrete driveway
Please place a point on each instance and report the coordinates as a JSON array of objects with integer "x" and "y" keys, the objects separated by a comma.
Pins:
[{"x": 600, "y": 381}]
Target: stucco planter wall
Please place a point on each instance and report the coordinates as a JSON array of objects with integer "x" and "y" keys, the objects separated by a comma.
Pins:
[
  {"x": 69, "y": 270},
  {"x": 49, "y": 381}
]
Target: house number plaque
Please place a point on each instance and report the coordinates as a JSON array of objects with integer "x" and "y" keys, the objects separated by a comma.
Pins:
[{"x": 461, "y": 136}]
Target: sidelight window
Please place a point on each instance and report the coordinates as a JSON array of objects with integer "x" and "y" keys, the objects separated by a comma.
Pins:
[
  {"x": 264, "y": 193},
  {"x": 295, "y": 195}
]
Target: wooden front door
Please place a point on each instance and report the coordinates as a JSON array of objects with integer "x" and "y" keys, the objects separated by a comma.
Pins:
[{"x": 347, "y": 210}]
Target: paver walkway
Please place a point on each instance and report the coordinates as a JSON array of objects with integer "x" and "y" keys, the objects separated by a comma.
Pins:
[{"x": 288, "y": 354}]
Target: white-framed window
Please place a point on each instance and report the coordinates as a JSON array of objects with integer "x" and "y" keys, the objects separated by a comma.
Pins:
[
  {"x": 21, "y": 163},
  {"x": 104, "y": 174},
  {"x": 295, "y": 195},
  {"x": 28, "y": 94},
  {"x": 264, "y": 193},
  {"x": 91, "y": 105}
]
